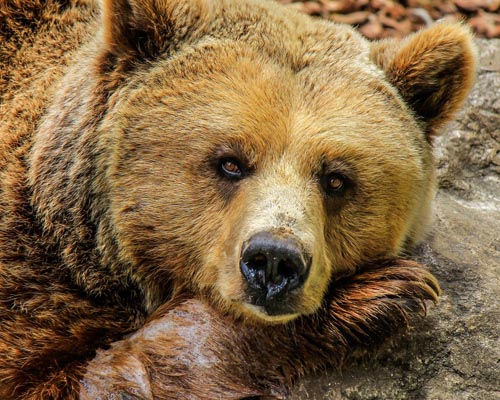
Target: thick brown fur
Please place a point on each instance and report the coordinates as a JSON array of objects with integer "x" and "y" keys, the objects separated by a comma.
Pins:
[{"x": 114, "y": 219}]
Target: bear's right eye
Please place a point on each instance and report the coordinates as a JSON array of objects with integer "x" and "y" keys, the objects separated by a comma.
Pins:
[
  {"x": 335, "y": 184},
  {"x": 231, "y": 168}
]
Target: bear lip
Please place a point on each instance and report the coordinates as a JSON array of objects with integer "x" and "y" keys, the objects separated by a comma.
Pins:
[{"x": 268, "y": 315}]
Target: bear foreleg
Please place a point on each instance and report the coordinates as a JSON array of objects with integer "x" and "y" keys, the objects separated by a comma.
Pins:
[{"x": 191, "y": 352}]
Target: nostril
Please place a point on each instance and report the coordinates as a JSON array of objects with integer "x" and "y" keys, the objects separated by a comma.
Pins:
[
  {"x": 259, "y": 261},
  {"x": 254, "y": 269},
  {"x": 287, "y": 268}
]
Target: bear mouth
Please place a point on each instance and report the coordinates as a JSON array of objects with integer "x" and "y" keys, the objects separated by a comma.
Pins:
[{"x": 284, "y": 304}]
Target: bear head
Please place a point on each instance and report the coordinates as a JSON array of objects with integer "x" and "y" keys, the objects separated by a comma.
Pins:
[{"x": 254, "y": 155}]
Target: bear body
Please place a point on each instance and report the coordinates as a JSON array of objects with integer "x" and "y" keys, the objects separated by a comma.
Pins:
[{"x": 206, "y": 198}]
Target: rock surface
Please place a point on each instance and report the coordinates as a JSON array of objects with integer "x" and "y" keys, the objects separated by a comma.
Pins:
[{"x": 454, "y": 353}]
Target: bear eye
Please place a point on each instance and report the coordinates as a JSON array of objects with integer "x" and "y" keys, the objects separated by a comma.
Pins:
[
  {"x": 334, "y": 183},
  {"x": 230, "y": 167}
]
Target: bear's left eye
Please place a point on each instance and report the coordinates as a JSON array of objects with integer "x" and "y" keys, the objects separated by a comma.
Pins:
[
  {"x": 334, "y": 184},
  {"x": 230, "y": 167}
]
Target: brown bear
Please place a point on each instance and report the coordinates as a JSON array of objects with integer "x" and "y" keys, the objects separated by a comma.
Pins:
[{"x": 209, "y": 198}]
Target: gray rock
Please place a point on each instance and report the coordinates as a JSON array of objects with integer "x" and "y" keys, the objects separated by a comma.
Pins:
[{"x": 454, "y": 353}]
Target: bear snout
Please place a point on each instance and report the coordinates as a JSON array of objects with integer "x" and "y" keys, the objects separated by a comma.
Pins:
[{"x": 272, "y": 267}]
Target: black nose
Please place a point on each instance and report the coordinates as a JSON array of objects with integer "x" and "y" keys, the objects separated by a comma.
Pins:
[{"x": 273, "y": 265}]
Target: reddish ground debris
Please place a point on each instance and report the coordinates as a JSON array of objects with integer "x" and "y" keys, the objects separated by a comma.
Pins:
[{"x": 386, "y": 18}]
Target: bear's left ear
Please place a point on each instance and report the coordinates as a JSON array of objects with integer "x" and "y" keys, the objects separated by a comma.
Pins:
[{"x": 433, "y": 71}]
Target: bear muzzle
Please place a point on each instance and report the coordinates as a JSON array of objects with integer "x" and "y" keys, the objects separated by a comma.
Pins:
[{"x": 274, "y": 268}]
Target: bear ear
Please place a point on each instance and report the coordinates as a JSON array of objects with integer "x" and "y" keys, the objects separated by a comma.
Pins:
[
  {"x": 146, "y": 28},
  {"x": 433, "y": 71}
]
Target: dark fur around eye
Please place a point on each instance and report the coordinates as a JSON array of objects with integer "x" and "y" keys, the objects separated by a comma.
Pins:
[{"x": 227, "y": 169}]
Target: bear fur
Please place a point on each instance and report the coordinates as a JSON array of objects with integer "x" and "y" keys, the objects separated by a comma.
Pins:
[{"x": 120, "y": 239}]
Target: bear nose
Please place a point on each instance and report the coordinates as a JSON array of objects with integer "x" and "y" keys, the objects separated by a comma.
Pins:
[{"x": 273, "y": 265}]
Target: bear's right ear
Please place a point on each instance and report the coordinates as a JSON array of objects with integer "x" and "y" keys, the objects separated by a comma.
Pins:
[
  {"x": 147, "y": 28},
  {"x": 433, "y": 71}
]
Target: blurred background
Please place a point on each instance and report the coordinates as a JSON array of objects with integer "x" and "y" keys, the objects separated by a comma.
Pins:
[{"x": 378, "y": 19}]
